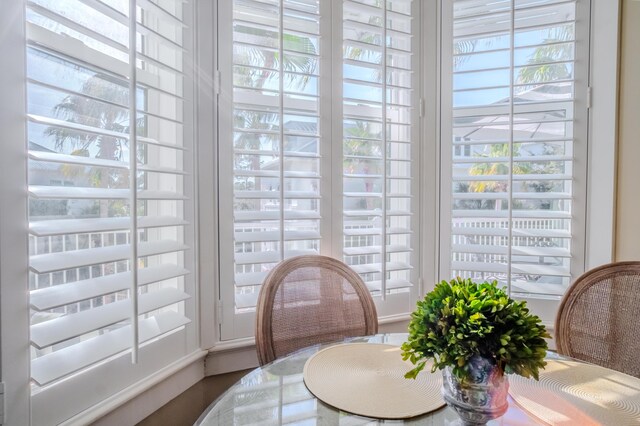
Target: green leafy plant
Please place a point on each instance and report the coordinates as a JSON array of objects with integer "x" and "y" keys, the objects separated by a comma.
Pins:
[{"x": 461, "y": 319}]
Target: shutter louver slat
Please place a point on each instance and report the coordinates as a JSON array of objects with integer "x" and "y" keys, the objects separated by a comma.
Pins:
[
  {"x": 262, "y": 236},
  {"x": 541, "y": 214},
  {"x": 390, "y": 266},
  {"x": 391, "y": 285},
  {"x": 517, "y": 232},
  {"x": 268, "y": 257},
  {"x": 66, "y": 294},
  {"x": 95, "y": 130},
  {"x": 63, "y": 362},
  {"x": 269, "y": 195},
  {"x": 362, "y": 213},
  {"x": 64, "y": 328},
  {"x": 354, "y": 251},
  {"x": 543, "y": 270},
  {"x": 523, "y": 251},
  {"x": 271, "y": 215},
  {"x": 44, "y": 228},
  {"x": 76, "y": 159},
  {"x": 44, "y": 263},
  {"x": 375, "y": 231},
  {"x": 250, "y": 279},
  {"x": 53, "y": 192}
]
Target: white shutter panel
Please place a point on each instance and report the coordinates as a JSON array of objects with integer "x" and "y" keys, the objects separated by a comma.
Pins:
[
  {"x": 80, "y": 115},
  {"x": 516, "y": 143},
  {"x": 379, "y": 143},
  {"x": 274, "y": 145}
]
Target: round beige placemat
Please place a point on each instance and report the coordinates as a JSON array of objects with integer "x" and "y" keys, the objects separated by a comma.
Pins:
[
  {"x": 368, "y": 380},
  {"x": 574, "y": 393}
]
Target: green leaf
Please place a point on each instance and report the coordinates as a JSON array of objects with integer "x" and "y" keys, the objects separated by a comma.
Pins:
[{"x": 461, "y": 319}]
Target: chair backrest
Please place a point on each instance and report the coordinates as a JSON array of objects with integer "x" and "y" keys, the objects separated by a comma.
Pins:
[
  {"x": 599, "y": 318},
  {"x": 311, "y": 299}
]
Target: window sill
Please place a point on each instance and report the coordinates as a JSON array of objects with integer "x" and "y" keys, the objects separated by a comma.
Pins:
[
  {"x": 162, "y": 387},
  {"x": 240, "y": 354}
]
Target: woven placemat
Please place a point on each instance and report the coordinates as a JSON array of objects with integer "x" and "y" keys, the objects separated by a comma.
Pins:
[
  {"x": 574, "y": 393},
  {"x": 368, "y": 380}
]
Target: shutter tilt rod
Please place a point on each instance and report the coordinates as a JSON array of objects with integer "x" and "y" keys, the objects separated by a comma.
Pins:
[{"x": 133, "y": 181}]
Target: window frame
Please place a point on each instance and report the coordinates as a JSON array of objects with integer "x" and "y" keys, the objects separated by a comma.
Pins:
[
  {"x": 68, "y": 398},
  {"x": 232, "y": 326},
  {"x": 545, "y": 307}
]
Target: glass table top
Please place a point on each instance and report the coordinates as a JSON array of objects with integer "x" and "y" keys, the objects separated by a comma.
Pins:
[{"x": 275, "y": 394}]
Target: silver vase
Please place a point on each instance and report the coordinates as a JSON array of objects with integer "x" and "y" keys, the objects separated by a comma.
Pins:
[{"x": 481, "y": 397}]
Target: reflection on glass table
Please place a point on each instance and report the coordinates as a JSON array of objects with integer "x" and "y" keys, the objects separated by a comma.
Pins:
[{"x": 275, "y": 394}]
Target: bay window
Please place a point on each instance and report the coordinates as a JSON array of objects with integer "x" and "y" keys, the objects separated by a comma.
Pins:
[
  {"x": 512, "y": 124},
  {"x": 415, "y": 140}
]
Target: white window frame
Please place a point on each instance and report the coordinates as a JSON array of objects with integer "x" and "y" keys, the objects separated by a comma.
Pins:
[
  {"x": 71, "y": 399},
  {"x": 393, "y": 307},
  {"x": 14, "y": 251},
  {"x": 390, "y": 307},
  {"x": 545, "y": 307},
  {"x": 602, "y": 100},
  {"x": 232, "y": 325}
]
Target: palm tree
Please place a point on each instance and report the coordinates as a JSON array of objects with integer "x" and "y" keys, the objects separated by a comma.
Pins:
[
  {"x": 556, "y": 47},
  {"x": 87, "y": 111},
  {"x": 296, "y": 68},
  {"x": 541, "y": 69},
  {"x": 498, "y": 168}
]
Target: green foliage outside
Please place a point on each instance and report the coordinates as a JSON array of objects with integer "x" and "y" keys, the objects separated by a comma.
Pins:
[{"x": 462, "y": 319}]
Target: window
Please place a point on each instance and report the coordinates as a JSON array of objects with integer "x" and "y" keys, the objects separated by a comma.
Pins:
[
  {"x": 109, "y": 159},
  {"x": 272, "y": 146},
  {"x": 357, "y": 129},
  {"x": 380, "y": 133},
  {"x": 516, "y": 78},
  {"x": 278, "y": 139}
]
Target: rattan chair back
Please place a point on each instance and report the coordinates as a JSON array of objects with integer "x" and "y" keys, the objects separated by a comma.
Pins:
[
  {"x": 599, "y": 318},
  {"x": 311, "y": 299}
]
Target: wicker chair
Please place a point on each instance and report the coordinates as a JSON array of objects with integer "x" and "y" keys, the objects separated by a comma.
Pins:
[
  {"x": 311, "y": 299},
  {"x": 599, "y": 318}
]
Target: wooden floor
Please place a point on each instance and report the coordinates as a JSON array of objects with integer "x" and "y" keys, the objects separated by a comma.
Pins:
[{"x": 187, "y": 407}]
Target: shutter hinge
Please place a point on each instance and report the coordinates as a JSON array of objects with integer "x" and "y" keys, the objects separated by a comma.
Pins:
[
  {"x": 589, "y": 94},
  {"x": 2, "y": 410},
  {"x": 219, "y": 308},
  {"x": 216, "y": 82},
  {"x": 421, "y": 107}
]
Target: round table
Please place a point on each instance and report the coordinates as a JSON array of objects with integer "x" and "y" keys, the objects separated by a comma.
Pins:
[{"x": 275, "y": 394}]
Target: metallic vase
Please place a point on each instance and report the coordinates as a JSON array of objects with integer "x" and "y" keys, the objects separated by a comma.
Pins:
[{"x": 481, "y": 397}]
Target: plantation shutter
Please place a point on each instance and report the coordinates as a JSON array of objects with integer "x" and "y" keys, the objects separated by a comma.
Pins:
[
  {"x": 516, "y": 145},
  {"x": 109, "y": 255},
  {"x": 272, "y": 147},
  {"x": 379, "y": 144}
]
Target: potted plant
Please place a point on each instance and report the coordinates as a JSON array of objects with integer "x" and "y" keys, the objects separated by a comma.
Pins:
[{"x": 475, "y": 333}]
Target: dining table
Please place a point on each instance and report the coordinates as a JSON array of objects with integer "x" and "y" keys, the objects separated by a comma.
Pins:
[{"x": 275, "y": 394}]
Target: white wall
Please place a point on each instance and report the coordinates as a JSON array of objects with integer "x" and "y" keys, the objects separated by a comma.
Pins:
[{"x": 628, "y": 173}]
